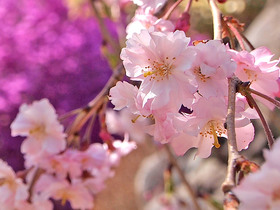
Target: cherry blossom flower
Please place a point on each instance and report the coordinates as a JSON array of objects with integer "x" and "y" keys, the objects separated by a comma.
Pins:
[
  {"x": 212, "y": 67},
  {"x": 145, "y": 20},
  {"x": 123, "y": 95},
  {"x": 258, "y": 68},
  {"x": 205, "y": 125},
  {"x": 261, "y": 190},
  {"x": 124, "y": 122},
  {"x": 76, "y": 193},
  {"x": 39, "y": 123},
  {"x": 13, "y": 192},
  {"x": 62, "y": 165},
  {"x": 160, "y": 60},
  {"x": 152, "y": 5}
]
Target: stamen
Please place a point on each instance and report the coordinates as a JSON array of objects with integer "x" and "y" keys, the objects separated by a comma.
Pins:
[
  {"x": 135, "y": 119},
  {"x": 216, "y": 141}
]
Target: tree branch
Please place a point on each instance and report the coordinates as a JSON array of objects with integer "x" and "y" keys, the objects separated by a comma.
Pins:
[{"x": 182, "y": 176}]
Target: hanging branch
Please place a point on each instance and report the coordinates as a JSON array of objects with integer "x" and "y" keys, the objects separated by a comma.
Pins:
[
  {"x": 182, "y": 176},
  {"x": 104, "y": 30},
  {"x": 171, "y": 9},
  {"x": 217, "y": 20},
  {"x": 247, "y": 41},
  {"x": 272, "y": 100},
  {"x": 94, "y": 105},
  {"x": 230, "y": 200},
  {"x": 266, "y": 128},
  {"x": 237, "y": 35}
]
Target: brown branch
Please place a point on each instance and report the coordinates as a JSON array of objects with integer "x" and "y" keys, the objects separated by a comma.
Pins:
[
  {"x": 182, "y": 176},
  {"x": 272, "y": 100},
  {"x": 35, "y": 178},
  {"x": 237, "y": 35},
  {"x": 247, "y": 41},
  {"x": 171, "y": 9},
  {"x": 266, "y": 128},
  {"x": 104, "y": 30},
  {"x": 230, "y": 201},
  {"x": 94, "y": 105},
  {"x": 217, "y": 20}
]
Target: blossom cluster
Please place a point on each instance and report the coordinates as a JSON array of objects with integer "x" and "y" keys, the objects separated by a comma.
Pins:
[
  {"x": 261, "y": 190},
  {"x": 54, "y": 170},
  {"x": 46, "y": 53},
  {"x": 183, "y": 87}
]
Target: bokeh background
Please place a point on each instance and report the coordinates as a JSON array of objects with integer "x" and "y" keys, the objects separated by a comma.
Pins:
[{"x": 54, "y": 49}]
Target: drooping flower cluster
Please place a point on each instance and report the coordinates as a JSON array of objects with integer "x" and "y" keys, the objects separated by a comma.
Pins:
[
  {"x": 46, "y": 53},
  {"x": 53, "y": 170},
  {"x": 261, "y": 190},
  {"x": 174, "y": 74}
]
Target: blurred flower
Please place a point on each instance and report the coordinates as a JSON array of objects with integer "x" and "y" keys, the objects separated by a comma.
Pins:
[
  {"x": 261, "y": 190},
  {"x": 44, "y": 53},
  {"x": 39, "y": 123}
]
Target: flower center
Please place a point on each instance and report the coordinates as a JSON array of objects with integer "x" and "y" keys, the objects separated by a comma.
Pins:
[
  {"x": 159, "y": 70},
  {"x": 276, "y": 195},
  {"x": 202, "y": 77},
  {"x": 214, "y": 129},
  {"x": 252, "y": 76},
  {"x": 38, "y": 131}
]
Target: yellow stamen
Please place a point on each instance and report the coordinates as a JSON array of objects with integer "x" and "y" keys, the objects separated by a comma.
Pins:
[
  {"x": 134, "y": 120},
  {"x": 148, "y": 73},
  {"x": 216, "y": 141}
]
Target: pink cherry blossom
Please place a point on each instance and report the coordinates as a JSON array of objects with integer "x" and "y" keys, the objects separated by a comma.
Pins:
[
  {"x": 212, "y": 67},
  {"x": 76, "y": 193},
  {"x": 152, "y": 5},
  {"x": 123, "y": 95},
  {"x": 124, "y": 122},
  {"x": 202, "y": 128},
  {"x": 62, "y": 165},
  {"x": 39, "y": 123},
  {"x": 160, "y": 60},
  {"x": 145, "y": 20},
  {"x": 261, "y": 190},
  {"x": 13, "y": 192},
  {"x": 256, "y": 67}
]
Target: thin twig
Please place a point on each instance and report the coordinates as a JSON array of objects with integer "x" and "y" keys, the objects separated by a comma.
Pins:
[
  {"x": 266, "y": 128},
  {"x": 237, "y": 35},
  {"x": 182, "y": 176},
  {"x": 96, "y": 103},
  {"x": 104, "y": 30},
  {"x": 69, "y": 114},
  {"x": 35, "y": 178},
  {"x": 171, "y": 9},
  {"x": 228, "y": 32},
  {"x": 272, "y": 100},
  {"x": 187, "y": 9},
  {"x": 247, "y": 41},
  {"x": 217, "y": 20},
  {"x": 89, "y": 128}
]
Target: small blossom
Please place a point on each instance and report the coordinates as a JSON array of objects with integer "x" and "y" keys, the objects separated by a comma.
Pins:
[
  {"x": 13, "y": 192},
  {"x": 123, "y": 95},
  {"x": 261, "y": 190},
  {"x": 152, "y": 5},
  {"x": 257, "y": 68},
  {"x": 125, "y": 122},
  {"x": 145, "y": 20},
  {"x": 212, "y": 67},
  {"x": 39, "y": 123},
  {"x": 76, "y": 193}
]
